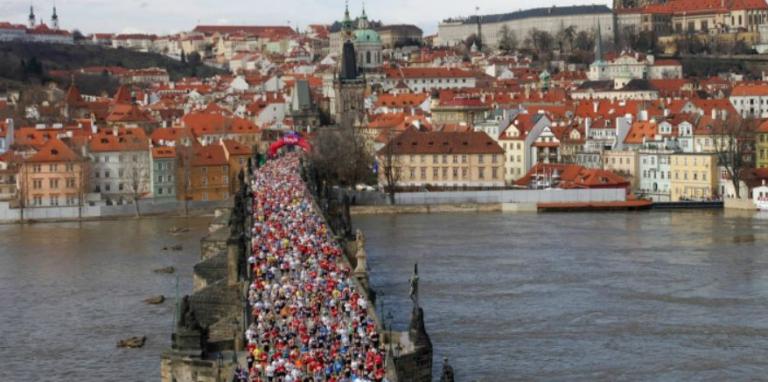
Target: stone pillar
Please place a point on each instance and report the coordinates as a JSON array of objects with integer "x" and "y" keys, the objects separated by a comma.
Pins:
[{"x": 233, "y": 261}]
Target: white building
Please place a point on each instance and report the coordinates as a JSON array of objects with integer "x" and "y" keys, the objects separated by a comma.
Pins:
[
  {"x": 751, "y": 101},
  {"x": 452, "y": 32},
  {"x": 421, "y": 80}
]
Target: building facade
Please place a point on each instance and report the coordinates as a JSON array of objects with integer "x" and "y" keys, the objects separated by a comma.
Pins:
[
  {"x": 466, "y": 159},
  {"x": 453, "y": 32},
  {"x": 694, "y": 177},
  {"x": 163, "y": 173},
  {"x": 54, "y": 177}
]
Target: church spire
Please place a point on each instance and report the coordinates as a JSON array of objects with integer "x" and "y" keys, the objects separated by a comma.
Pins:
[
  {"x": 346, "y": 24},
  {"x": 31, "y": 16},
  {"x": 55, "y": 18},
  {"x": 363, "y": 22}
]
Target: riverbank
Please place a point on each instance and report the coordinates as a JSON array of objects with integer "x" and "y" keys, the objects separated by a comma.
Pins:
[
  {"x": 148, "y": 208},
  {"x": 525, "y": 208}
]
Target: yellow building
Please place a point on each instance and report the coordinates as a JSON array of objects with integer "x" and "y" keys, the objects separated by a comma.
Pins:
[
  {"x": 443, "y": 159},
  {"x": 694, "y": 176},
  {"x": 761, "y": 146},
  {"x": 624, "y": 163}
]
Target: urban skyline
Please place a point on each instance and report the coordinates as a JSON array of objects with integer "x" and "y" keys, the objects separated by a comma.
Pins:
[{"x": 168, "y": 17}]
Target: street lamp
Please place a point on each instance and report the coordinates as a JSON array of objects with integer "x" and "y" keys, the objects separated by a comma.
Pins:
[
  {"x": 389, "y": 324},
  {"x": 220, "y": 364}
]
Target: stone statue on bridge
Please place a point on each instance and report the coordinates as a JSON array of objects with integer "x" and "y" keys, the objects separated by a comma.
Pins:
[
  {"x": 415, "y": 286},
  {"x": 360, "y": 254}
]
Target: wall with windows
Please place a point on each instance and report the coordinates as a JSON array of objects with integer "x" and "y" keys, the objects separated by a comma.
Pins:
[{"x": 52, "y": 184}]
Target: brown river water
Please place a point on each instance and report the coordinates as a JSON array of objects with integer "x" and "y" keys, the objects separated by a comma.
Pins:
[
  {"x": 70, "y": 291},
  {"x": 653, "y": 296},
  {"x": 554, "y": 297}
]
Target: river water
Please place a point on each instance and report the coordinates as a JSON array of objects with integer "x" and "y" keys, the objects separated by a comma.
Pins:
[
  {"x": 70, "y": 291},
  {"x": 651, "y": 296}
]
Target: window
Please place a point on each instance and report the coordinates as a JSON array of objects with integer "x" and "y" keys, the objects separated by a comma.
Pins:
[
  {"x": 463, "y": 159},
  {"x": 107, "y": 187},
  {"x": 481, "y": 172},
  {"x": 423, "y": 173},
  {"x": 70, "y": 182},
  {"x": 70, "y": 167},
  {"x": 71, "y": 200},
  {"x": 37, "y": 200},
  {"x": 106, "y": 174},
  {"x": 54, "y": 200},
  {"x": 160, "y": 191},
  {"x": 494, "y": 158},
  {"x": 445, "y": 173},
  {"x": 37, "y": 184},
  {"x": 495, "y": 173},
  {"x": 53, "y": 168},
  {"x": 481, "y": 158},
  {"x": 464, "y": 172},
  {"x": 37, "y": 168},
  {"x": 53, "y": 183},
  {"x": 205, "y": 196},
  {"x": 226, "y": 179},
  {"x": 435, "y": 171}
]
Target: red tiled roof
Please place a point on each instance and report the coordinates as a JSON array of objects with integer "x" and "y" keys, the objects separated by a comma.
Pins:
[
  {"x": 163, "y": 152},
  {"x": 641, "y": 131},
  {"x": 54, "y": 151},
  {"x": 211, "y": 155},
  {"x": 258, "y": 30},
  {"x": 751, "y": 90},
  {"x": 427, "y": 73},
  {"x": 414, "y": 142},
  {"x": 125, "y": 140},
  {"x": 573, "y": 176},
  {"x": 236, "y": 148}
]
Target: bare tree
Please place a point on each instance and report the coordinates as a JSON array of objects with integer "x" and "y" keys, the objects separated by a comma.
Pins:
[
  {"x": 342, "y": 156},
  {"x": 390, "y": 167},
  {"x": 184, "y": 175},
  {"x": 82, "y": 184},
  {"x": 734, "y": 144},
  {"x": 136, "y": 173},
  {"x": 21, "y": 186},
  {"x": 507, "y": 40}
]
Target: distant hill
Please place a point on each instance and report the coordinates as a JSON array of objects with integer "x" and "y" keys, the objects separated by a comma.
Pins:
[{"x": 24, "y": 63}]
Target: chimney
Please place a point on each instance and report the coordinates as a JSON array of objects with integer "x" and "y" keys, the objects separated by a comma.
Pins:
[
  {"x": 115, "y": 130},
  {"x": 714, "y": 113},
  {"x": 595, "y": 106},
  {"x": 587, "y": 126},
  {"x": 10, "y": 133}
]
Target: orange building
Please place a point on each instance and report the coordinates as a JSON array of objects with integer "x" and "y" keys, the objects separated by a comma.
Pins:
[
  {"x": 53, "y": 177},
  {"x": 237, "y": 155},
  {"x": 203, "y": 173}
]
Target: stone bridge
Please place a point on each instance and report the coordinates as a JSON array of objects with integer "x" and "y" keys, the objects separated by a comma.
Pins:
[{"x": 208, "y": 342}]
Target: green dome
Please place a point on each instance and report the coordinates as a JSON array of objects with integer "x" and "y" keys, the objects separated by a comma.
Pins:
[{"x": 366, "y": 35}]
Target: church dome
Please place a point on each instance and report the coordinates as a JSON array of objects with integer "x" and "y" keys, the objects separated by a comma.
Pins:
[{"x": 367, "y": 35}]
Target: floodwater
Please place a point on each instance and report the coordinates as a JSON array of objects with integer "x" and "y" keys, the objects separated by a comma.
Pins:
[
  {"x": 70, "y": 291},
  {"x": 653, "y": 296}
]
